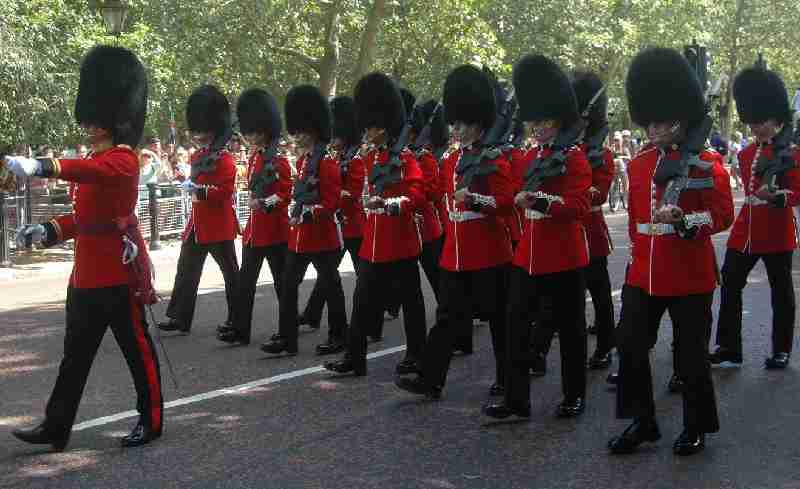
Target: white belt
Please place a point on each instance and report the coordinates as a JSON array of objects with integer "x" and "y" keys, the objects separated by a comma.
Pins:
[
  {"x": 597, "y": 208},
  {"x": 378, "y": 212},
  {"x": 755, "y": 201},
  {"x": 652, "y": 229},
  {"x": 463, "y": 216},
  {"x": 535, "y": 215}
]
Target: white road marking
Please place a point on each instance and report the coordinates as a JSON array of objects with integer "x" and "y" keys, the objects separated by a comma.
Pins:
[
  {"x": 226, "y": 391},
  {"x": 238, "y": 389}
]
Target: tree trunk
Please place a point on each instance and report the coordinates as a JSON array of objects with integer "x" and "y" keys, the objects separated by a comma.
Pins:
[
  {"x": 366, "y": 54},
  {"x": 329, "y": 64},
  {"x": 735, "y": 48}
]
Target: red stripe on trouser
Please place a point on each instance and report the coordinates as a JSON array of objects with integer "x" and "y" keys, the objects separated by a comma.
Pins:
[{"x": 149, "y": 362}]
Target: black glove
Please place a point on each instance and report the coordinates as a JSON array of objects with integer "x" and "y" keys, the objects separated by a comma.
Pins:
[{"x": 778, "y": 201}]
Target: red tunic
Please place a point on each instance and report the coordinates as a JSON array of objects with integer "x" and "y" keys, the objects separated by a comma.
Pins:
[
  {"x": 430, "y": 228},
  {"x": 595, "y": 222},
  {"x": 391, "y": 238},
  {"x": 556, "y": 241},
  {"x": 759, "y": 228},
  {"x": 269, "y": 228},
  {"x": 322, "y": 233},
  {"x": 664, "y": 264},
  {"x": 516, "y": 220},
  {"x": 477, "y": 240},
  {"x": 352, "y": 188},
  {"x": 213, "y": 219},
  {"x": 108, "y": 190}
]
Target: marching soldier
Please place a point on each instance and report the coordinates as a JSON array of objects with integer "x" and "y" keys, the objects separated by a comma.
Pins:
[
  {"x": 346, "y": 144},
  {"x": 269, "y": 181},
  {"x": 314, "y": 233},
  {"x": 393, "y": 191},
  {"x": 110, "y": 282},
  {"x": 587, "y": 86},
  {"x": 547, "y": 276},
  {"x": 765, "y": 228},
  {"x": 673, "y": 265},
  {"x": 212, "y": 226},
  {"x": 477, "y": 249}
]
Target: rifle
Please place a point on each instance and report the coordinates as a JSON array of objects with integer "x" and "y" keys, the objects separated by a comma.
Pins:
[
  {"x": 796, "y": 116},
  {"x": 783, "y": 160},
  {"x": 554, "y": 164},
  {"x": 424, "y": 136},
  {"x": 261, "y": 181},
  {"x": 491, "y": 144},
  {"x": 390, "y": 173},
  {"x": 676, "y": 175},
  {"x": 306, "y": 190},
  {"x": 208, "y": 162}
]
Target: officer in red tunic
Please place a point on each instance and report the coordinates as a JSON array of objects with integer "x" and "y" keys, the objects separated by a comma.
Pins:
[
  {"x": 589, "y": 89},
  {"x": 765, "y": 228},
  {"x": 346, "y": 147},
  {"x": 212, "y": 226},
  {"x": 110, "y": 281},
  {"x": 547, "y": 277},
  {"x": 477, "y": 249},
  {"x": 672, "y": 264},
  {"x": 393, "y": 192},
  {"x": 270, "y": 181},
  {"x": 314, "y": 233}
]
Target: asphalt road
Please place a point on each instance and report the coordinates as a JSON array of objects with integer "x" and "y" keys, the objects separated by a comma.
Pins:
[{"x": 240, "y": 419}]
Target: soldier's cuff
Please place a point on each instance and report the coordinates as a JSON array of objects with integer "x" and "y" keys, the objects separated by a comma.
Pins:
[
  {"x": 52, "y": 234},
  {"x": 480, "y": 202},
  {"x": 690, "y": 225}
]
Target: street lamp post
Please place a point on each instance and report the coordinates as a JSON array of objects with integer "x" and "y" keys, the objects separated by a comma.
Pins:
[{"x": 114, "y": 13}]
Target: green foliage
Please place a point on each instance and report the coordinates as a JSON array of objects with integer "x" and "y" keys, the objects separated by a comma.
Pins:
[{"x": 277, "y": 44}]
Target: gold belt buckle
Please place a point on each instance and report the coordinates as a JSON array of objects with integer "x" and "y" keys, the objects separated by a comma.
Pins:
[{"x": 653, "y": 229}]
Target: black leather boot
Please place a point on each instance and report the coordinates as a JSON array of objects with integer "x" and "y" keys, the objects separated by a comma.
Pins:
[
  {"x": 571, "y": 408},
  {"x": 173, "y": 325},
  {"x": 778, "y": 361},
  {"x": 278, "y": 344},
  {"x": 43, "y": 435},
  {"x": 140, "y": 435},
  {"x": 346, "y": 366},
  {"x": 416, "y": 385},
  {"x": 689, "y": 443},
  {"x": 501, "y": 410},
  {"x": 640, "y": 431}
]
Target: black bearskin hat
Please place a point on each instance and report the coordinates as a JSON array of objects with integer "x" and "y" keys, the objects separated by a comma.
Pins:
[
  {"x": 344, "y": 120},
  {"x": 586, "y": 85},
  {"x": 409, "y": 100},
  {"x": 308, "y": 111},
  {"x": 112, "y": 93},
  {"x": 258, "y": 113},
  {"x": 379, "y": 104},
  {"x": 208, "y": 110},
  {"x": 544, "y": 91},
  {"x": 469, "y": 97},
  {"x": 662, "y": 87},
  {"x": 761, "y": 95}
]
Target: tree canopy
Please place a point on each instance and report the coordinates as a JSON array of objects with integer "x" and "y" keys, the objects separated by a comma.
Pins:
[{"x": 275, "y": 44}]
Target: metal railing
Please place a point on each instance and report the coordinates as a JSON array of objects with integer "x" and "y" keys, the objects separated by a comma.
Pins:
[{"x": 167, "y": 218}]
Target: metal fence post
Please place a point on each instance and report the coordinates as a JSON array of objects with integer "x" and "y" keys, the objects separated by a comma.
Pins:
[
  {"x": 4, "y": 250},
  {"x": 152, "y": 193}
]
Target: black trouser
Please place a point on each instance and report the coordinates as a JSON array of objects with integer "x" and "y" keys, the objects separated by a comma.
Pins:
[
  {"x": 691, "y": 323},
  {"x": 372, "y": 287},
  {"x": 89, "y": 313},
  {"x": 252, "y": 259},
  {"x": 559, "y": 300},
  {"x": 312, "y": 313},
  {"x": 461, "y": 293},
  {"x": 598, "y": 284},
  {"x": 190, "y": 269},
  {"x": 734, "y": 278},
  {"x": 327, "y": 266},
  {"x": 429, "y": 260}
]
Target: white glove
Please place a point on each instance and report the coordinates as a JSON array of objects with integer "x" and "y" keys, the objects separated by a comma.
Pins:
[
  {"x": 30, "y": 235},
  {"x": 22, "y": 166},
  {"x": 189, "y": 185}
]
